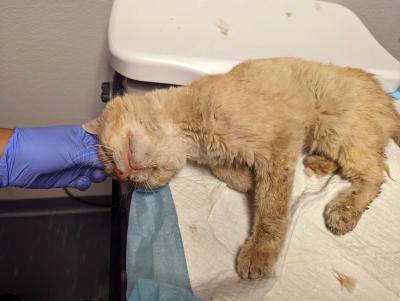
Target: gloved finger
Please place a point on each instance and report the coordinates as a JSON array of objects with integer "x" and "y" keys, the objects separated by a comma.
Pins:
[
  {"x": 98, "y": 175},
  {"x": 88, "y": 157},
  {"x": 64, "y": 178},
  {"x": 81, "y": 183},
  {"x": 89, "y": 154},
  {"x": 87, "y": 176}
]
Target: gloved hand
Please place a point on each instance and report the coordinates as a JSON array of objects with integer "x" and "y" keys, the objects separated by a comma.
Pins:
[{"x": 51, "y": 157}]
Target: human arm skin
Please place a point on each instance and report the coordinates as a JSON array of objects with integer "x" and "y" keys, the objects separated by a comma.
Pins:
[{"x": 5, "y": 135}]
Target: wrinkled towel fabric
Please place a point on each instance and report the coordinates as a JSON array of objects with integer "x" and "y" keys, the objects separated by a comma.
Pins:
[{"x": 215, "y": 221}]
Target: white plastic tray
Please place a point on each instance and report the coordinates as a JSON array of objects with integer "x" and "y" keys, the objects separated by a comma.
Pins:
[{"x": 176, "y": 41}]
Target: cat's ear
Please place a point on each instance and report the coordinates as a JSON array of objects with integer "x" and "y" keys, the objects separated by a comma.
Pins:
[{"x": 93, "y": 126}]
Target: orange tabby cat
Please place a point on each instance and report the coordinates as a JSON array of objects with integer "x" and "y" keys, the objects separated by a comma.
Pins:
[{"x": 249, "y": 126}]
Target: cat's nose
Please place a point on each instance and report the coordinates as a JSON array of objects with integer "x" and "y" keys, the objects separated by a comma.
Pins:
[{"x": 121, "y": 175}]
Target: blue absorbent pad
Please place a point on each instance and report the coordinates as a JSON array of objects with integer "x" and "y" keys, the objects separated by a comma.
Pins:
[
  {"x": 155, "y": 258},
  {"x": 152, "y": 290},
  {"x": 396, "y": 94}
]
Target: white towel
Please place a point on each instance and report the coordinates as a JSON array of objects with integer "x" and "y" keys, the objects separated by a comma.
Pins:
[{"x": 214, "y": 222}]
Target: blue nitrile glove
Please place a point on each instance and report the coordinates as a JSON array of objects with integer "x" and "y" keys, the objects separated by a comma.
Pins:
[{"x": 51, "y": 157}]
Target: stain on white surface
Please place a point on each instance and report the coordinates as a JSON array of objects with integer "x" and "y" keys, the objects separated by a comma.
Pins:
[{"x": 223, "y": 27}]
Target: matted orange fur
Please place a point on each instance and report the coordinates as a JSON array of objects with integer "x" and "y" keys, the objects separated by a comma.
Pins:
[{"x": 249, "y": 126}]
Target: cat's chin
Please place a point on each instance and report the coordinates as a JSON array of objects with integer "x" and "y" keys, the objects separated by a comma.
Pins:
[
  {"x": 155, "y": 179},
  {"x": 147, "y": 185},
  {"x": 159, "y": 178},
  {"x": 142, "y": 185}
]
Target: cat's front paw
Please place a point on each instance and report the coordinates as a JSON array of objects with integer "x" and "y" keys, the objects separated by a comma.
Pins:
[
  {"x": 255, "y": 262},
  {"x": 341, "y": 218}
]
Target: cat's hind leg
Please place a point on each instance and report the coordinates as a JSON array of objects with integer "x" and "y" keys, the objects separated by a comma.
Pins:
[
  {"x": 237, "y": 178},
  {"x": 365, "y": 170},
  {"x": 319, "y": 166}
]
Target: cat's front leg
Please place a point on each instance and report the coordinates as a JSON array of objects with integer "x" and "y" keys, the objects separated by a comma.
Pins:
[
  {"x": 273, "y": 187},
  {"x": 239, "y": 179}
]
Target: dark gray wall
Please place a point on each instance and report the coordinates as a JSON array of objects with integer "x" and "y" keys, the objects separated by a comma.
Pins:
[{"x": 381, "y": 17}]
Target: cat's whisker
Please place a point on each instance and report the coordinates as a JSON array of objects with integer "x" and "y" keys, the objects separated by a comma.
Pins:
[
  {"x": 80, "y": 156},
  {"x": 89, "y": 169},
  {"x": 106, "y": 154},
  {"x": 107, "y": 160},
  {"x": 80, "y": 167},
  {"x": 85, "y": 152},
  {"x": 90, "y": 166},
  {"x": 148, "y": 186},
  {"x": 126, "y": 195},
  {"x": 103, "y": 145},
  {"x": 105, "y": 151},
  {"x": 102, "y": 148},
  {"x": 130, "y": 188}
]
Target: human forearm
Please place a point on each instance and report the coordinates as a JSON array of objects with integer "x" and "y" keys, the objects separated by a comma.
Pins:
[{"x": 5, "y": 135}]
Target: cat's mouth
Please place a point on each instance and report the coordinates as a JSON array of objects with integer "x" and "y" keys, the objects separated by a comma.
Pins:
[{"x": 129, "y": 174}]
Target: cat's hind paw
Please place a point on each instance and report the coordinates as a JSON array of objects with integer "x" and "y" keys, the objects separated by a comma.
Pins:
[{"x": 341, "y": 218}]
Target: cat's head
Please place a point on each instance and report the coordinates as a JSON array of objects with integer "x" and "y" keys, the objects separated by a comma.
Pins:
[{"x": 138, "y": 142}]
